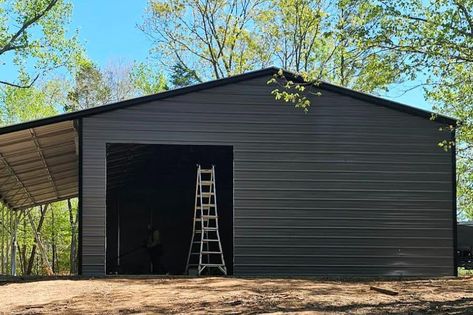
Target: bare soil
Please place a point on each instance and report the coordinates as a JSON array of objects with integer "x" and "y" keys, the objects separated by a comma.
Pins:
[{"x": 129, "y": 295}]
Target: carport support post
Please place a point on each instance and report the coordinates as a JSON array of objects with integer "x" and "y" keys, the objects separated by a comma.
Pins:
[{"x": 13, "y": 244}]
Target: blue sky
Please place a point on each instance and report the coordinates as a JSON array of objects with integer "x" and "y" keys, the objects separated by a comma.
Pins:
[{"x": 109, "y": 29}]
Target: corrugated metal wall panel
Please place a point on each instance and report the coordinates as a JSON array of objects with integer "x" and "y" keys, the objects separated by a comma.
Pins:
[{"x": 350, "y": 188}]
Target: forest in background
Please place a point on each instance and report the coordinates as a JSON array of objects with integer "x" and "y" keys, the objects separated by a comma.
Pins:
[{"x": 372, "y": 46}]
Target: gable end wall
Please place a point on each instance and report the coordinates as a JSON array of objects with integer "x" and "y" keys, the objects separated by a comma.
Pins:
[{"x": 348, "y": 189}]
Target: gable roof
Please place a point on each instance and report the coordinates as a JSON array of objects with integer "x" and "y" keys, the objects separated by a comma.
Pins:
[{"x": 219, "y": 82}]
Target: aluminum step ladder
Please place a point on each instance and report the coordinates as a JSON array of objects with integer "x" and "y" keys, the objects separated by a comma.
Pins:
[{"x": 205, "y": 252}]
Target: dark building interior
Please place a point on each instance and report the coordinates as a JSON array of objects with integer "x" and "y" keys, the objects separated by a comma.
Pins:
[{"x": 150, "y": 184}]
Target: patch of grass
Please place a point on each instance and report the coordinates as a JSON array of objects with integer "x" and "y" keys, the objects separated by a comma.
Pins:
[{"x": 462, "y": 272}]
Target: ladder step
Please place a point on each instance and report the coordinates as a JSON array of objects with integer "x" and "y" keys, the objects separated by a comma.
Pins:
[
  {"x": 207, "y": 229},
  {"x": 206, "y": 194},
  {"x": 210, "y": 252},
  {"x": 205, "y": 240},
  {"x": 206, "y": 171},
  {"x": 207, "y": 182},
  {"x": 213, "y": 265},
  {"x": 206, "y": 206},
  {"x": 210, "y": 228},
  {"x": 206, "y": 216}
]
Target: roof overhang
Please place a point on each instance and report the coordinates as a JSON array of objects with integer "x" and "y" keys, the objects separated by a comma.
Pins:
[{"x": 39, "y": 165}]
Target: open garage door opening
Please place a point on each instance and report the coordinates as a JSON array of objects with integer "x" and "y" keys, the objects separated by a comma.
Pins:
[{"x": 154, "y": 186}]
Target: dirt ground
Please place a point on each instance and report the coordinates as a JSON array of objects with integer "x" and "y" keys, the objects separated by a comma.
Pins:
[{"x": 235, "y": 296}]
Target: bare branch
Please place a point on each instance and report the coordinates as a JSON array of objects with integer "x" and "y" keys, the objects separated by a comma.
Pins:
[
  {"x": 21, "y": 86},
  {"x": 10, "y": 45}
]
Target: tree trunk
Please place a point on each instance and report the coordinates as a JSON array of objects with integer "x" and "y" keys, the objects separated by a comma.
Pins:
[
  {"x": 42, "y": 250},
  {"x": 43, "y": 209},
  {"x": 21, "y": 255},
  {"x": 73, "y": 255}
]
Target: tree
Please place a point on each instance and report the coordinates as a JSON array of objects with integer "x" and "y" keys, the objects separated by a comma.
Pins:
[
  {"x": 437, "y": 35},
  {"x": 146, "y": 81},
  {"x": 118, "y": 80},
  {"x": 320, "y": 39},
  {"x": 89, "y": 88},
  {"x": 33, "y": 38},
  {"x": 17, "y": 105},
  {"x": 42, "y": 210},
  {"x": 211, "y": 37},
  {"x": 295, "y": 32},
  {"x": 182, "y": 76},
  {"x": 39, "y": 243}
]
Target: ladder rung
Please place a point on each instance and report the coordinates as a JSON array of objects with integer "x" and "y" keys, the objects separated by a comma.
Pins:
[
  {"x": 205, "y": 240},
  {"x": 205, "y": 216},
  {"x": 206, "y": 229},
  {"x": 206, "y": 206},
  {"x": 213, "y": 265},
  {"x": 206, "y": 194},
  {"x": 206, "y": 171},
  {"x": 210, "y": 229},
  {"x": 210, "y": 252},
  {"x": 206, "y": 219},
  {"x": 207, "y": 182}
]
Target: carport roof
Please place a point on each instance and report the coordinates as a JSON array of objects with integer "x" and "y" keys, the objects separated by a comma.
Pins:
[
  {"x": 39, "y": 159},
  {"x": 39, "y": 165}
]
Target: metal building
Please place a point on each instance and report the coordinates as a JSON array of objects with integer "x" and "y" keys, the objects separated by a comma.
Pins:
[{"x": 357, "y": 186}]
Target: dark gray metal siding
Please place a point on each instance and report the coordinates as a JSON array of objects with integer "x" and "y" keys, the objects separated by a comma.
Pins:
[{"x": 350, "y": 188}]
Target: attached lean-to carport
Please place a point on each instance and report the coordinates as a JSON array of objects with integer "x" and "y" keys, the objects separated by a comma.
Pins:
[{"x": 39, "y": 165}]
